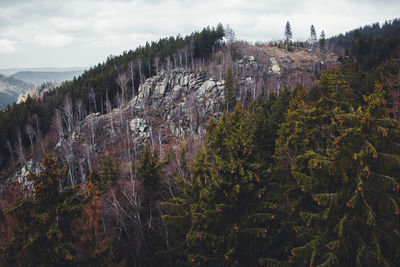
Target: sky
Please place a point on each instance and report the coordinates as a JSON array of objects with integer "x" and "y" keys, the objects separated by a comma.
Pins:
[{"x": 82, "y": 33}]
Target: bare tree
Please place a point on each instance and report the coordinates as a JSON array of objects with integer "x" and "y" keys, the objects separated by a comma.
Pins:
[
  {"x": 19, "y": 148},
  {"x": 80, "y": 110},
  {"x": 68, "y": 156},
  {"x": 229, "y": 34},
  {"x": 87, "y": 150},
  {"x": 185, "y": 52},
  {"x": 126, "y": 124},
  {"x": 58, "y": 124},
  {"x": 92, "y": 98},
  {"x": 109, "y": 109},
  {"x": 175, "y": 56},
  {"x": 132, "y": 76},
  {"x": 191, "y": 52},
  {"x": 157, "y": 64},
  {"x": 11, "y": 153},
  {"x": 92, "y": 124},
  {"x": 180, "y": 52},
  {"x": 68, "y": 113},
  {"x": 168, "y": 63},
  {"x": 191, "y": 104},
  {"x": 122, "y": 83},
  {"x": 139, "y": 63},
  {"x": 38, "y": 133},
  {"x": 31, "y": 134},
  {"x": 160, "y": 139}
]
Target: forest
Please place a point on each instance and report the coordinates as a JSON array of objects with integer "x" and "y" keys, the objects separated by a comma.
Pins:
[{"x": 308, "y": 176}]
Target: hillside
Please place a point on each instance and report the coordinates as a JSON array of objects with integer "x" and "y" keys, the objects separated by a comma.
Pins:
[
  {"x": 40, "y": 77},
  {"x": 206, "y": 151},
  {"x": 10, "y": 89}
]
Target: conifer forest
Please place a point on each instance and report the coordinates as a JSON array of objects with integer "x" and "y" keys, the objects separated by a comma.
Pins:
[{"x": 207, "y": 150}]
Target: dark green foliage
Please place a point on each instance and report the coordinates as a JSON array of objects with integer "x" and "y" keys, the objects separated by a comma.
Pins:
[
  {"x": 288, "y": 33},
  {"x": 107, "y": 175},
  {"x": 43, "y": 234},
  {"x": 308, "y": 177},
  {"x": 148, "y": 170},
  {"x": 228, "y": 208},
  {"x": 346, "y": 165},
  {"x": 372, "y": 44}
]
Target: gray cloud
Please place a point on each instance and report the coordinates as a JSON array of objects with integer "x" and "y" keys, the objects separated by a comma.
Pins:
[{"x": 39, "y": 33}]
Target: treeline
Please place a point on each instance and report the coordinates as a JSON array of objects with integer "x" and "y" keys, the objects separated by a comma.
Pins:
[
  {"x": 371, "y": 44},
  {"x": 119, "y": 77}
]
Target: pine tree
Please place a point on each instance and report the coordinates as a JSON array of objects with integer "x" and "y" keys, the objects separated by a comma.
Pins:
[
  {"x": 149, "y": 173},
  {"x": 322, "y": 42},
  {"x": 288, "y": 33},
  {"x": 43, "y": 234},
  {"x": 313, "y": 35},
  {"x": 346, "y": 164},
  {"x": 233, "y": 218}
]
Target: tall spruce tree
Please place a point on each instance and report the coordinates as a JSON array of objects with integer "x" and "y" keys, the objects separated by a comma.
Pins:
[
  {"x": 227, "y": 209},
  {"x": 149, "y": 173},
  {"x": 322, "y": 42},
  {"x": 313, "y": 35},
  {"x": 288, "y": 33},
  {"x": 355, "y": 184}
]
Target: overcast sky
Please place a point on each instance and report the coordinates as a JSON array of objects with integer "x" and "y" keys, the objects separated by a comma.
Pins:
[{"x": 74, "y": 33}]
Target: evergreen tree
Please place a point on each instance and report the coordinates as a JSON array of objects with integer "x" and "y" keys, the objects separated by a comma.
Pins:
[
  {"x": 347, "y": 178},
  {"x": 149, "y": 173},
  {"x": 313, "y": 35},
  {"x": 288, "y": 33},
  {"x": 356, "y": 190},
  {"x": 43, "y": 234},
  {"x": 233, "y": 219},
  {"x": 322, "y": 42}
]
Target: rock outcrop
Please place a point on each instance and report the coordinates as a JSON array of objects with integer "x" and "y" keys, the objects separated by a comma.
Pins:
[
  {"x": 274, "y": 67},
  {"x": 22, "y": 175},
  {"x": 172, "y": 106},
  {"x": 184, "y": 100}
]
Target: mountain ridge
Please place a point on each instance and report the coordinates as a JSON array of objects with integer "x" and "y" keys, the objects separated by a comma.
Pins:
[
  {"x": 40, "y": 77},
  {"x": 10, "y": 89}
]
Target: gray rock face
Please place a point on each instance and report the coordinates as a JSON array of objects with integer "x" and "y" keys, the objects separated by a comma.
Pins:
[
  {"x": 274, "y": 67},
  {"x": 169, "y": 106},
  {"x": 185, "y": 101},
  {"x": 140, "y": 128},
  {"x": 22, "y": 176}
]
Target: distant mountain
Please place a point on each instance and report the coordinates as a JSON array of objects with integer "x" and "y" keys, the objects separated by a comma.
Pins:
[
  {"x": 10, "y": 89},
  {"x": 9, "y": 72},
  {"x": 40, "y": 77}
]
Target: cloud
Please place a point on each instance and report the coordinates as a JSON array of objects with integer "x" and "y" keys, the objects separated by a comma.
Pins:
[
  {"x": 6, "y": 47},
  {"x": 87, "y": 31}
]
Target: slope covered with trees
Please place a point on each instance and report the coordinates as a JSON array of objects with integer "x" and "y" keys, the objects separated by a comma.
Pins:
[
  {"x": 305, "y": 177},
  {"x": 371, "y": 44},
  {"x": 104, "y": 82}
]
